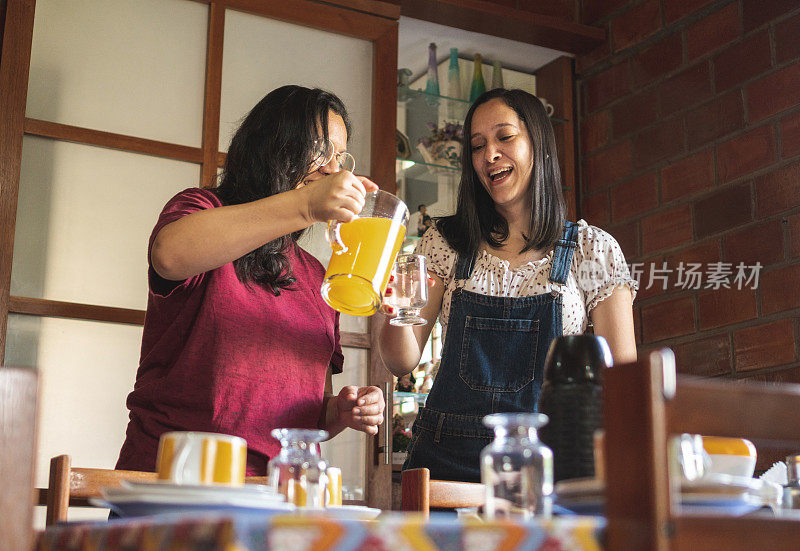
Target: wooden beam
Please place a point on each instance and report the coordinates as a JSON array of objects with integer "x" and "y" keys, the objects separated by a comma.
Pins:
[
  {"x": 15, "y": 61},
  {"x": 77, "y": 134},
  {"x": 319, "y": 16},
  {"x": 213, "y": 95},
  {"x": 495, "y": 20},
  {"x": 92, "y": 312},
  {"x": 384, "y": 110},
  {"x": 554, "y": 82},
  {"x": 59, "y": 309},
  {"x": 371, "y": 7}
]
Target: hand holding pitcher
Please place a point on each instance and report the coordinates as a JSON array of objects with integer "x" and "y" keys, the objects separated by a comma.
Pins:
[{"x": 364, "y": 251}]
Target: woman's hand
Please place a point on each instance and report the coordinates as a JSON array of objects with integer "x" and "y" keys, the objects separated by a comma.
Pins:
[
  {"x": 339, "y": 196},
  {"x": 360, "y": 408}
]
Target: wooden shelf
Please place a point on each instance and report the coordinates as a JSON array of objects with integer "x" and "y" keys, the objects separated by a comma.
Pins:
[{"x": 492, "y": 19}]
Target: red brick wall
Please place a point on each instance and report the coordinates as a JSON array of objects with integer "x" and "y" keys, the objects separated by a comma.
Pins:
[{"x": 690, "y": 153}]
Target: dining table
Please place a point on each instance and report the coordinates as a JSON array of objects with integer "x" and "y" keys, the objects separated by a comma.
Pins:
[{"x": 321, "y": 531}]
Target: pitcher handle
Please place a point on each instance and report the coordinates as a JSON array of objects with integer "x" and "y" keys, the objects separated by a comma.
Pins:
[{"x": 334, "y": 237}]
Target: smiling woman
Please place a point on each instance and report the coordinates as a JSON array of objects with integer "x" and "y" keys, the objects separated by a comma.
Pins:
[{"x": 510, "y": 275}]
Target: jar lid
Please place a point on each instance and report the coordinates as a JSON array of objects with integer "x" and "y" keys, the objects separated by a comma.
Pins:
[{"x": 577, "y": 358}]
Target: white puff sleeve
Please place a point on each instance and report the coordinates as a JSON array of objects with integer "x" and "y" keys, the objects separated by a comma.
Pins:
[
  {"x": 601, "y": 266},
  {"x": 441, "y": 258}
]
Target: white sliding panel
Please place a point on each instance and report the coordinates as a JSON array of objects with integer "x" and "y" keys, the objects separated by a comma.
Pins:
[
  {"x": 262, "y": 54},
  {"x": 123, "y": 66}
]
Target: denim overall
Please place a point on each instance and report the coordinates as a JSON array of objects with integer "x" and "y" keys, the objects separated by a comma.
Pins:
[{"x": 492, "y": 361}]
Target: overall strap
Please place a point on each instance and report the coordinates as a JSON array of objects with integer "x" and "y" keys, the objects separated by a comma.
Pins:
[
  {"x": 562, "y": 255},
  {"x": 464, "y": 266}
]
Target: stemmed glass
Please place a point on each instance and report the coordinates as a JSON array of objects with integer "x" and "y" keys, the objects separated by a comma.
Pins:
[{"x": 409, "y": 289}]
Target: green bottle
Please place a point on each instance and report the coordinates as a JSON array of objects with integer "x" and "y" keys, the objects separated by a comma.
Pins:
[
  {"x": 497, "y": 75},
  {"x": 478, "y": 84},
  {"x": 454, "y": 76}
]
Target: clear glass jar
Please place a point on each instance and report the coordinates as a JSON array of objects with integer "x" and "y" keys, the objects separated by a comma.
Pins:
[
  {"x": 298, "y": 471},
  {"x": 516, "y": 468}
]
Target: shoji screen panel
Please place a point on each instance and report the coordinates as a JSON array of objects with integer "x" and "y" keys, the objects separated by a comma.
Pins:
[
  {"x": 87, "y": 369},
  {"x": 261, "y": 54},
  {"x": 129, "y": 67},
  {"x": 84, "y": 217},
  {"x": 115, "y": 118}
]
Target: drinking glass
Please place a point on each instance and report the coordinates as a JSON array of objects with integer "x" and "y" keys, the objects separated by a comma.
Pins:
[
  {"x": 516, "y": 468},
  {"x": 409, "y": 289},
  {"x": 298, "y": 471},
  {"x": 364, "y": 251}
]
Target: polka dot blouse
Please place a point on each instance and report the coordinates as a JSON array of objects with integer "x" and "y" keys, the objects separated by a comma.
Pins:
[{"x": 598, "y": 267}]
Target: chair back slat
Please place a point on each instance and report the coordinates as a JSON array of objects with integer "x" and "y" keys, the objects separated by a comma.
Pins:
[
  {"x": 74, "y": 487},
  {"x": 420, "y": 493},
  {"x": 766, "y": 412},
  {"x": 447, "y": 494},
  {"x": 18, "y": 397},
  {"x": 642, "y": 413},
  {"x": 87, "y": 483}
]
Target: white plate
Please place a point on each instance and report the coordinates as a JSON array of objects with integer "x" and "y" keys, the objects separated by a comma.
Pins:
[
  {"x": 197, "y": 493},
  {"x": 347, "y": 512},
  {"x": 716, "y": 484},
  {"x": 131, "y": 507},
  {"x": 170, "y": 487},
  {"x": 715, "y": 493},
  {"x": 193, "y": 495}
]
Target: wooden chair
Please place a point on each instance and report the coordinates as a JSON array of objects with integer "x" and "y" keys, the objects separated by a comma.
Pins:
[
  {"x": 420, "y": 493},
  {"x": 18, "y": 395},
  {"x": 645, "y": 404},
  {"x": 73, "y": 487}
]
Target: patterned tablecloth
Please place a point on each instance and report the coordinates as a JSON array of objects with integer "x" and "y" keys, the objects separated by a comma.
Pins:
[{"x": 285, "y": 532}]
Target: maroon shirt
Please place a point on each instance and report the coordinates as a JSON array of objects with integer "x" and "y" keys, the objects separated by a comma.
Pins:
[{"x": 218, "y": 356}]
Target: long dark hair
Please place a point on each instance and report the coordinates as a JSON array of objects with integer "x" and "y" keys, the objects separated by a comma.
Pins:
[
  {"x": 270, "y": 153},
  {"x": 476, "y": 218}
]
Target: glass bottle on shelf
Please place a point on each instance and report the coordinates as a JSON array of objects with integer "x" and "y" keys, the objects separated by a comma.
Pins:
[
  {"x": 454, "y": 76},
  {"x": 497, "y": 75},
  {"x": 478, "y": 84},
  {"x": 432, "y": 84}
]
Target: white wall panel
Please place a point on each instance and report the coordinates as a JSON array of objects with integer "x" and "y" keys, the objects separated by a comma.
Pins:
[
  {"x": 348, "y": 450},
  {"x": 262, "y": 54},
  {"x": 86, "y": 371},
  {"x": 84, "y": 218},
  {"x": 130, "y": 67}
]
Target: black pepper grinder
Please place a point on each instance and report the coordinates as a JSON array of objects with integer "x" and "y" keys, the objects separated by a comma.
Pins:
[{"x": 572, "y": 397}]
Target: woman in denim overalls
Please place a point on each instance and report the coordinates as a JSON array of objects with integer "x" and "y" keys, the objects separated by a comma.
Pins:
[{"x": 510, "y": 206}]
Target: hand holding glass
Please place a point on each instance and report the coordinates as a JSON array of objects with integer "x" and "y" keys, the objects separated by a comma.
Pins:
[{"x": 409, "y": 285}]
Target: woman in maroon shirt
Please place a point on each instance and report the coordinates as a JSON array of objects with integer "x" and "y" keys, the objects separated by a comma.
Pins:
[{"x": 237, "y": 338}]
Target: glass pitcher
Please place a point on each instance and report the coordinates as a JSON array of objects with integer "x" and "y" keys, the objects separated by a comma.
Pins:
[
  {"x": 364, "y": 251},
  {"x": 516, "y": 468},
  {"x": 298, "y": 471}
]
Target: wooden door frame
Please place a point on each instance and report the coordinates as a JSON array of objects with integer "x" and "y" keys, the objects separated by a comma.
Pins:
[{"x": 365, "y": 19}]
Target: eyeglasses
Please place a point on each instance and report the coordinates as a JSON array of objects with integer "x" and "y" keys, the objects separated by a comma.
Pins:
[{"x": 324, "y": 153}]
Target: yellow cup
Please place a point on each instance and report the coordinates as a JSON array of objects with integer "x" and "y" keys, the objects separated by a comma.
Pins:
[
  {"x": 732, "y": 456},
  {"x": 334, "y": 490},
  {"x": 201, "y": 458},
  {"x": 364, "y": 251}
]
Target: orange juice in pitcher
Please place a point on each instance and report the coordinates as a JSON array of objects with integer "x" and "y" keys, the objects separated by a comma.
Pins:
[{"x": 364, "y": 251}]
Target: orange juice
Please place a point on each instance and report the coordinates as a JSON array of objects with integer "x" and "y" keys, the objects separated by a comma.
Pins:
[{"x": 356, "y": 277}]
